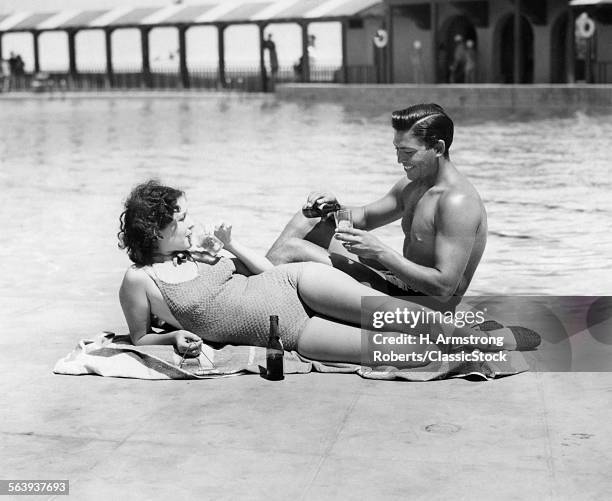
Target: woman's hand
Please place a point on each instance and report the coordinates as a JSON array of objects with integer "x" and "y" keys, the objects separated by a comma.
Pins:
[
  {"x": 223, "y": 232},
  {"x": 187, "y": 343},
  {"x": 361, "y": 243}
]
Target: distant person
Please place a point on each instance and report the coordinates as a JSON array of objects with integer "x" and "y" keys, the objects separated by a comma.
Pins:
[
  {"x": 19, "y": 66},
  {"x": 457, "y": 69},
  {"x": 298, "y": 68},
  {"x": 312, "y": 49},
  {"x": 311, "y": 52},
  {"x": 15, "y": 65},
  {"x": 416, "y": 58},
  {"x": 270, "y": 46},
  {"x": 12, "y": 61},
  {"x": 470, "y": 62},
  {"x": 443, "y": 219}
]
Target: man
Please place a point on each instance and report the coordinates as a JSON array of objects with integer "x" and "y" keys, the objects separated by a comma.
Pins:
[
  {"x": 271, "y": 47},
  {"x": 416, "y": 59},
  {"x": 470, "y": 62},
  {"x": 457, "y": 69},
  {"x": 443, "y": 220}
]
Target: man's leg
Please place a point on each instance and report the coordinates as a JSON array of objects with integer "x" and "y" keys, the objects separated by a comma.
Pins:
[
  {"x": 311, "y": 239},
  {"x": 303, "y": 239}
]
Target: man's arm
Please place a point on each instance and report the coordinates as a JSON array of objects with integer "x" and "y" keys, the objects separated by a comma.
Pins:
[
  {"x": 387, "y": 209},
  {"x": 457, "y": 220}
]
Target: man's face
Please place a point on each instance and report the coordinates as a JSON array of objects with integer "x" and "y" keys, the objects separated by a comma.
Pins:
[{"x": 418, "y": 161}]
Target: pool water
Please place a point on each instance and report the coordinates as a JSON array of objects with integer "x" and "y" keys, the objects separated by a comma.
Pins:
[{"x": 66, "y": 166}]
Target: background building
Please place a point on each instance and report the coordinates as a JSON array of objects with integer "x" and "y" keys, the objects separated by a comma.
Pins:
[
  {"x": 375, "y": 41},
  {"x": 514, "y": 41}
]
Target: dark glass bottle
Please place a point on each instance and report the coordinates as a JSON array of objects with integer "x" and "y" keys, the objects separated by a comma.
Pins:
[
  {"x": 320, "y": 209},
  {"x": 274, "y": 353}
]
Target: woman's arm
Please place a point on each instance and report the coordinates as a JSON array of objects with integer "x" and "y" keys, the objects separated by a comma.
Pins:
[
  {"x": 256, "y": 263},
  {"x": 137, "y": 311}
]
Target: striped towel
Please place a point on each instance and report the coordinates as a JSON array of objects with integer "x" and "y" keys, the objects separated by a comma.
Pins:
[{"x": 114, "y": 356}]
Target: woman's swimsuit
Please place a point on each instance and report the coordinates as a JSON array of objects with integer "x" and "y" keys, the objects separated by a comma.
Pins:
[{"x": 223, "y": 306}]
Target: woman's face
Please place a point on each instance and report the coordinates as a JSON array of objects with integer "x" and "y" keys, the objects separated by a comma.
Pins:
[{"x": 176, "y": 236}]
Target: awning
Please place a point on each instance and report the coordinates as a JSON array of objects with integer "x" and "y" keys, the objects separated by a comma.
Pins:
[
  {"x": 24, "y": 21},
  {"x": 219, "y": 11},
  {"x": 244, "y": 11}
]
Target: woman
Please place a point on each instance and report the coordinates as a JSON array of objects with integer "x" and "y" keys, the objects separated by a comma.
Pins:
[{"x": 230, "y": 300}]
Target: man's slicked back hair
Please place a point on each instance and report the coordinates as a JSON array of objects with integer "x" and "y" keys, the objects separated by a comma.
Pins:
[{"x": 427, "y": 122}]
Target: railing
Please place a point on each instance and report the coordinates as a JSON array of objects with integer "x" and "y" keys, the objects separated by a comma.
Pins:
[
  {"x": 245, "y": 79},
  {"x": 332, "y": 74}
]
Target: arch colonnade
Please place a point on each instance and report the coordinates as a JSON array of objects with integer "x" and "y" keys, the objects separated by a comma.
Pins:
[{"x": 516, "y": 41}]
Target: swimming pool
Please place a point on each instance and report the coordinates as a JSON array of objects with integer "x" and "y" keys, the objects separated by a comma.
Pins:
[{"x": 66, "y": 165}]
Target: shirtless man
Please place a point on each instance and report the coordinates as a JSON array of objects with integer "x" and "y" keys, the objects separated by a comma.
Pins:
[{"x": 443, "y": 220}]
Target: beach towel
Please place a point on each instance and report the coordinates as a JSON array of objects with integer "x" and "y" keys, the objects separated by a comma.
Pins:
[{"x": 111, "y": 355}]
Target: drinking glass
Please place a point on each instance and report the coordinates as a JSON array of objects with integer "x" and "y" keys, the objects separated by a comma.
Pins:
[
  {"x": 203, "y": 240},
  {"x": 344, "y": 219},
  {"x": 211, "y": 244}
]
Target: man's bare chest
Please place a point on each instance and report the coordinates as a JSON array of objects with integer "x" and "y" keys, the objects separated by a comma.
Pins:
[{"x": 418, "y": 221}]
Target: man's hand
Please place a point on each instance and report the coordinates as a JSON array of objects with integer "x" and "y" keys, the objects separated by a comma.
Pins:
[
  {"x": 320, "y": 197},
  {"x": 361, "y": 243},
  {"x": 187, "y": 343}
]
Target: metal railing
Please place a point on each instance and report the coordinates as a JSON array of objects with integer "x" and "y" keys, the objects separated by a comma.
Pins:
[{"x": 245, "y": 78}]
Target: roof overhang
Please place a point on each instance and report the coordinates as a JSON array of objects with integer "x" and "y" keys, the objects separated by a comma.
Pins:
[{"x": 211, "y": 12}]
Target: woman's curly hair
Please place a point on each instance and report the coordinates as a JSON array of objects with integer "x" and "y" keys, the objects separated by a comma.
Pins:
[{"x": 149, "y": 208}]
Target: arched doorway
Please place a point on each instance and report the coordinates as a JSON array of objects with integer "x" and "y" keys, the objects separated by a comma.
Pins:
[
  {"x": 452, "y": 27},
  {"x": 506, "y": 51},
  {"x": 558, "y": 52}
]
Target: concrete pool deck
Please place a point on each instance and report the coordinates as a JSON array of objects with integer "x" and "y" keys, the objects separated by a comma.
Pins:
[
  {"x": 556, "y": 97},
  {"x": 313, "y": 436},
  {"x": 468, "y": 96}
]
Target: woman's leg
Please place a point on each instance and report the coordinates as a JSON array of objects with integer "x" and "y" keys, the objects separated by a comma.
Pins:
[
  {"x": 335, "y": 294},
  {"x": 329, "y": 341}
]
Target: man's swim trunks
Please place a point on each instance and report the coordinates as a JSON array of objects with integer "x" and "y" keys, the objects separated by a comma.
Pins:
[{"x": 391, "y": 284}]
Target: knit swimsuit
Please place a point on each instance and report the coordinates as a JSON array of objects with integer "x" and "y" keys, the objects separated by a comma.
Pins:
[{"x": 223, "y": 306}]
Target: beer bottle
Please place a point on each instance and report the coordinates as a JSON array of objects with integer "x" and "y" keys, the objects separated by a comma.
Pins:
[{"x": 274, "y": 353}]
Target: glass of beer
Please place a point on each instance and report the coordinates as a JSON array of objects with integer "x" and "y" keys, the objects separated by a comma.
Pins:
[
  {"x": 203, "y": 240},
  {"x": 344, "y": 219},
  {"x": 211, "y": 244}
]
